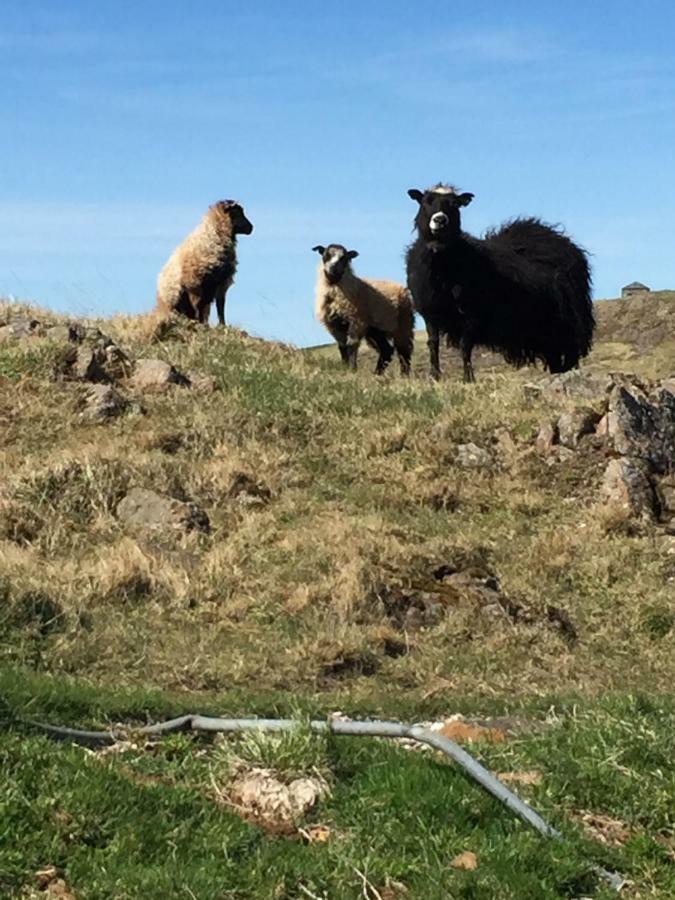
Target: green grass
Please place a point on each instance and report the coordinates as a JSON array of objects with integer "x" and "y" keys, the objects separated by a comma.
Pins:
[{"x": 145, "y": 822}]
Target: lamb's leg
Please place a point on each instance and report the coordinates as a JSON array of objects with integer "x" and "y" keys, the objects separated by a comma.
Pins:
[
  {"x": 344, "y": 353},
  {"x": 355, "y": 334},
  {"x": 352, "y": 353},
  {"x": 466, "y": 346},
  {"x": 433, "y": 340},
  {"x": 404, "y": 350},
  {"x": 221, "y": 295},
  {"x": 378, "y": 341}
]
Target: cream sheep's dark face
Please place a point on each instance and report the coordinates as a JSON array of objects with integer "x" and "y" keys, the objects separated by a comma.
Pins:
[
  {"x": 240, "y": 224},
  {"x": 335, "y": 260},
  {"x": 438, "y": 217}
]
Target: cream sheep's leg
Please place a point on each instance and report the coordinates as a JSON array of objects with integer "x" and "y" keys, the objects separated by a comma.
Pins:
[{"x": 221, "y": 296}]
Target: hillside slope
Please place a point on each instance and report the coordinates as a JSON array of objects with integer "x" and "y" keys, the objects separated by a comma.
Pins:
[
  {"x": 327, "y": 495},
  {"x": 196, "y": 520}
]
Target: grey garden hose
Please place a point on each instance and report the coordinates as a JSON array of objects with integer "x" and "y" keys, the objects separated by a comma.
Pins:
[{"x": 336, "y": 726}]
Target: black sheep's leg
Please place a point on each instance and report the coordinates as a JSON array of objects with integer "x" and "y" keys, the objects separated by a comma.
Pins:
[
  {"x": 466, "y": 347},
  {"x": 344, "y": 353},
  {"x": 433, "y": 340}
]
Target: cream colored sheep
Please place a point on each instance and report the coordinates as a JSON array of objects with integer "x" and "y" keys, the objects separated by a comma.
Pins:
[
  {"x": 353, "y": 308},
  {"x": 201, "y": 269}
]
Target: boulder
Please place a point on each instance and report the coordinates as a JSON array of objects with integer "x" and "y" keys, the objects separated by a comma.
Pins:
[
  {"x": 102, "y": 402},
  {"x": 547, "y": 438},
  {"x": 575, "y": 424},
  {"x": 146, "y": 509},
  {"x": 643, "y": 426},
  {"x": 156, "y": 375},
  {"x": 627, "y": 489},
  {"x": 665, "y": 490},
  {"x": 20, "y": 329}
]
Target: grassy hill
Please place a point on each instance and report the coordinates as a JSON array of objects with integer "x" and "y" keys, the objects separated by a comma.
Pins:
[{"x": 352, "y": 562}]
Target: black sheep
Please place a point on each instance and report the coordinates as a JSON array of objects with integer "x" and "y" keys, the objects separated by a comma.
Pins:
[{"x": 523, "y": 291}]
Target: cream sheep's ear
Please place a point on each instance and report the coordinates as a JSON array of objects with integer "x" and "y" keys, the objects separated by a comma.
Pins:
[
  {"x": 414, "y": 194},
  {"x": 464, "y": 199},
  {"x": 319, "y": 249},
  {"x": 352, "y": 254}
]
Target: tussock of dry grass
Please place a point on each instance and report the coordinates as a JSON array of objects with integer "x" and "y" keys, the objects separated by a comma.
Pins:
[{"x": 359, "y": 492}]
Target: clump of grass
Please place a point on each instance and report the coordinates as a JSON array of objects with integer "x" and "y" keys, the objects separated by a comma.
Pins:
[{"x": 290, "y": 754}]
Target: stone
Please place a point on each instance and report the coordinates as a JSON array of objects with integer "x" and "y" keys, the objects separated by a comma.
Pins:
[
  {"x": 582, "y": 385},
  {"x": 202, "y": 384},
  {"x": 471, "y": 456},
  {"x": 146, "y": 509},
  {"x": 626, "y": 487},
  {"x": 156, "y": 375},
  {"x": 504, "y": 444},
  {"x": 20, "y": 329},
  {"x": 102, "y": 402},
  {"x": 100, "y": 363},
  {"x": 68, "y": 332},
  {"x": 575, "y": 424},
  {"x": 546, "y": 439},
  {"x": 643, "y": 426},
  {"x": 665, "y": 490}
]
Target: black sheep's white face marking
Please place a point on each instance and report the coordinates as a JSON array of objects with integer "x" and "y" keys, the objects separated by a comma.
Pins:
[
  {"x": 438, "y": 217},
  {"x": 335, "y": 259}
]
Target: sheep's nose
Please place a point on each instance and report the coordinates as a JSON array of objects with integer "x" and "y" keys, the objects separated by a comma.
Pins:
[{"x": 438, "y": 220}]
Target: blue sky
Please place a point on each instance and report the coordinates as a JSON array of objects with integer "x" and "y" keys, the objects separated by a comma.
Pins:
[{"x": 122, "y": 121}]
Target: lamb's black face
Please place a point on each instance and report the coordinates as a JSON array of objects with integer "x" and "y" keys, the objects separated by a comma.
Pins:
[
  {"x": 335, "y": 259},
  {"x": 438, "y": 217}
]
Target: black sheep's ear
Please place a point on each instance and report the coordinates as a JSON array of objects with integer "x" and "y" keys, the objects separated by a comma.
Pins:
[
  {"x": 414, "y": 194},
  {"x": 464, "y": 199},
  {"x": 352, "y": 254},
  {"x": 319, "y": 249}
]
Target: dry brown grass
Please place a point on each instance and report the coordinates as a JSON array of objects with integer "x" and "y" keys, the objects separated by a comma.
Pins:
[{"x": 361, "y": 494}]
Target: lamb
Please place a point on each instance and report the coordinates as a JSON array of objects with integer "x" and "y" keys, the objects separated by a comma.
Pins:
[
  {"x": 524, "y": 290},
  {"x": 202, "y": 267},
  {"x": 353, "y": 308}
]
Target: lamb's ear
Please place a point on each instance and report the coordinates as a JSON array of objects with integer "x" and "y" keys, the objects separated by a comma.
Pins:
[
  {"x": 464, "y": 199},
  {"x": 319, "y": 249},
  {"x": 414, "y": 194},
  {"x": 352, "y": 254}
]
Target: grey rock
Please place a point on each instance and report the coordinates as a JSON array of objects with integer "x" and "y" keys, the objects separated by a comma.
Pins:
[
  {"x": 471, "y": 456},
  {"x": 575, "y": 424},
  {"x": 643, "y": 426},
  {"x": 202, "y": 384},
  {"x": 102, "y": 402},
  {"x": 627, "y": 489},
  {"x": 156, "y": 375},
  {"x": 665, "y": 490},
  {"x": 547, "y": 438},
  {"x": 20, "y": 328},
  {"x": 147, "y": 509}
]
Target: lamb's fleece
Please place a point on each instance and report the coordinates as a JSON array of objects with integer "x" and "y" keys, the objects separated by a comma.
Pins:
[{"x": 364, "y": 303}]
